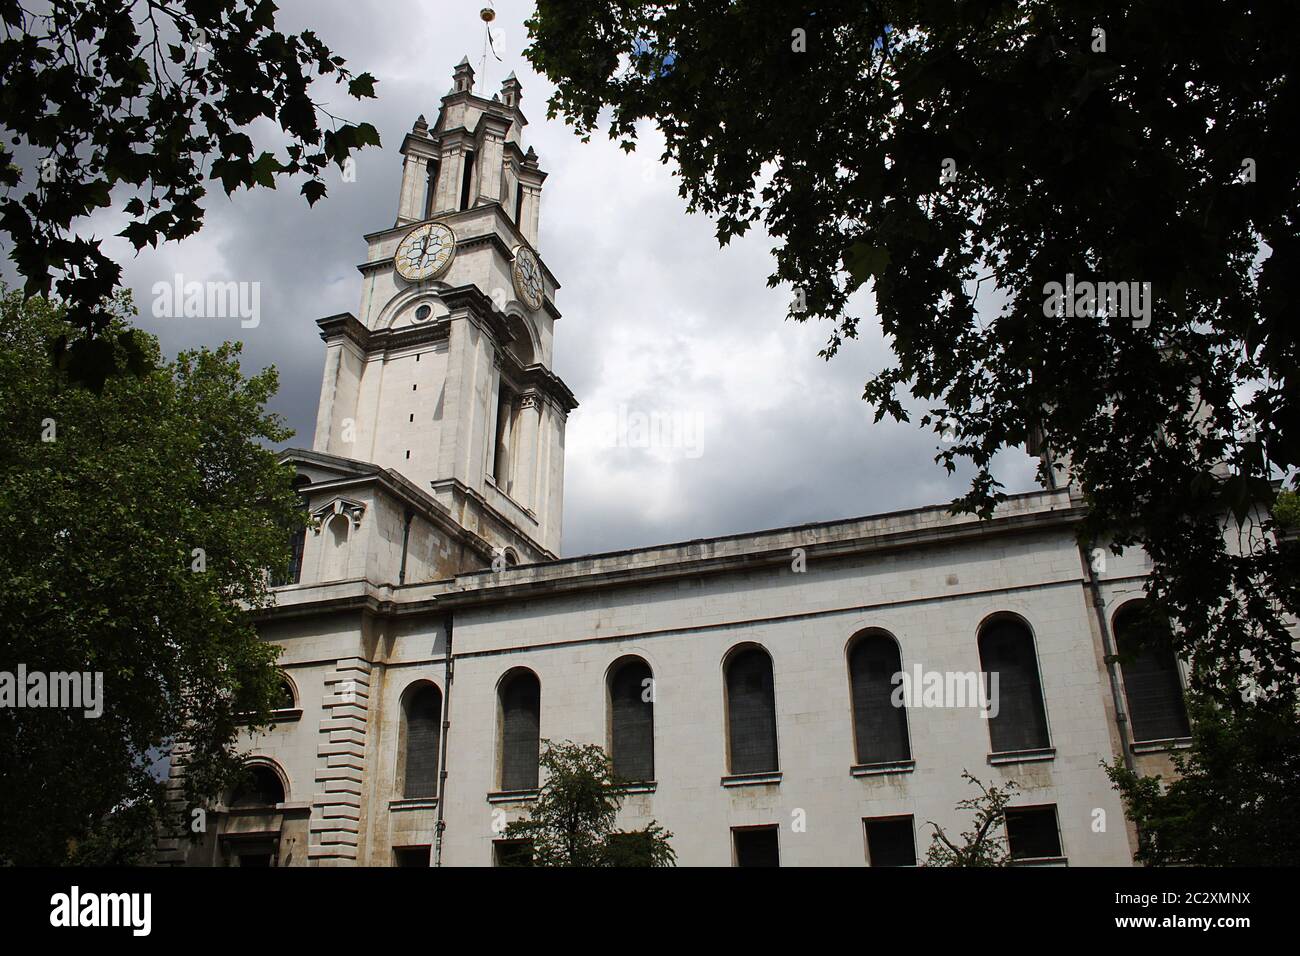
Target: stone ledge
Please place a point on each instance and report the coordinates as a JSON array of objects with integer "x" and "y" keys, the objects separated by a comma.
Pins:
[
  {"x": 883, "y": 767},
  {"x": 513, "y": 796},
  {"x": 766, "y": 778},
  {"x": 413, "y": 803},
  {"x": 1160, "y": 746},
  {"x": 640, "y": 786},
  {"x": 1022, "y": 756}
]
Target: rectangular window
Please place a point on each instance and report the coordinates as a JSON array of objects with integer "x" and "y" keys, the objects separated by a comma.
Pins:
[
  {"x": 756, "y": 846},
  {"x": 891, "y": 841},
  {"x": 467, "y": 179},
  {"x": 1032, "y": 833},
  {"x": 411, "y": 856},
  {"x": 519, "y": 205},
  {"x": 512, "y": 852}
]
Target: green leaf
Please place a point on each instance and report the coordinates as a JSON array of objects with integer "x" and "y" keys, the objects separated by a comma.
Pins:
[{"x": 865, "y": 261}]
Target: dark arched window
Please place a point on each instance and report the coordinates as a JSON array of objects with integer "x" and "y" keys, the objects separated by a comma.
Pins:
[
  {"x": 751, "y": 712},
  {"x": 260, "y": 786},
  {"x": 1156, "y": 708},
  {"x": 1007, "y": 650},
  {"x": 422, "y": 713},
  {"x": 632, "y": 720},
  {"x": 285, "y": 699},
  {"x": 879, "y": 727},
  {"x": 521, "y": 707}
]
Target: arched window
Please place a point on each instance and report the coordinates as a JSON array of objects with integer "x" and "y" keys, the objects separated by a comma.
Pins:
[
  {"x": 285, "y": 698},
  {"x": 520, "y": 696},
  {"x": 1154, "y": 690},
  {"x": 1007, "y": 650},
  {"x": 879, "y": 727},
  {"x": 632, "y": 720},
  {"x": 260, "y": 786},
  {"x": 422, "y": 716},
  {"x": 751, "y": 712}
]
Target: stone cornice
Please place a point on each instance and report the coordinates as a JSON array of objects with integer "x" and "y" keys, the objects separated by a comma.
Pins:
[
  {"x": 832, "y": 540},
  {"x": 550, "y": 385},
  {"x": 425, "y": 146},
  {"x": 346, "y": 325},
  {"x": 470, "y": 302},
  {"x": 482, "y": 588}
]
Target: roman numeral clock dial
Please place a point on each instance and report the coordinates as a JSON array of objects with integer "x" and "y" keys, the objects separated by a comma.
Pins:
[
  {"x": 527, "y": 275},
  {"x": 425, "y": 252}
]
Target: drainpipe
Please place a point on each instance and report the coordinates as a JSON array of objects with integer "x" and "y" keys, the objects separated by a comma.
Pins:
[
  {"x": 1099, "y": 608},
  {"x": 449, "y": 672}
]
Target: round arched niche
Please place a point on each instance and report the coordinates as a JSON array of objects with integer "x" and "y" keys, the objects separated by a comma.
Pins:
[{"x": 523, "y": 343}]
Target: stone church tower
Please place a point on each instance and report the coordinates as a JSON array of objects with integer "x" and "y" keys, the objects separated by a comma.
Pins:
[{"x": 444, "y": 375}]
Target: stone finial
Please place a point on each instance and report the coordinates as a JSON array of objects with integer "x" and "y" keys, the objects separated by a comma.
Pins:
[
  {"x": 463, "y": 77},
  {"x": 511, "y": 91},
  {"x": 421, "y": 126}
]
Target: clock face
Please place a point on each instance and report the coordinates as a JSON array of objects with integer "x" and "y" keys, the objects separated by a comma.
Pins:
[
  {"x": 425, "y": 252},
  {"x": 527, "y": 273}
]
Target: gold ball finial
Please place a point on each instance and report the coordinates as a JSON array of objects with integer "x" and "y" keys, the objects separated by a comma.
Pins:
[{"x": 487, "y": 14}]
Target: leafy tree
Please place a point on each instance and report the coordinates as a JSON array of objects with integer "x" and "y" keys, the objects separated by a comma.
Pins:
[
  {"x": 985, "y": 843},
  {"x": 572, "y": 822},
  {"x": 138, "y": 97},
  {"x": 136, "y": 529},
  {"x": 1235, "y": 800},
  {"x": 956, "y": 159},
  {"x": 1286, "y": 511}
]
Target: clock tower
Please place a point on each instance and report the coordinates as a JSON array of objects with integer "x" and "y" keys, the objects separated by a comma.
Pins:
[{"x": 444, "y": 374}]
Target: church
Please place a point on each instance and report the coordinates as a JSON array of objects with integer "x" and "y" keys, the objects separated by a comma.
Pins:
[{"x": 747, "y": 687}]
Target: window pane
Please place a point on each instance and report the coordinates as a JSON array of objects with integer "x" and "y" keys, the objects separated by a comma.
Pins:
[
  {"x": 423, "y": 735},
  {"x": 880, "y": 728},
  {"x": 891, "y": 842},
  {"x": 521, "y": 699},
  {"x": 260, "y": 786},
  {"x": 1032, "y": 832},
  {"x": 756, "y": 847},
  {"x": 411, "y": 856},
  {"x": 1007, "y": 649},
  {"x": 284, "y": 699},
  {"x": 633, "y": 722},
  {"x": 512, "y": 853},
  {"x": 1155, "y": 694},
  {"x": 751, "y": 712}
]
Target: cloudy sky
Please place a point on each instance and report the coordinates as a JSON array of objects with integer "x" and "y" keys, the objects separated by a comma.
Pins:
[{"x": 658, "y": 320}]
